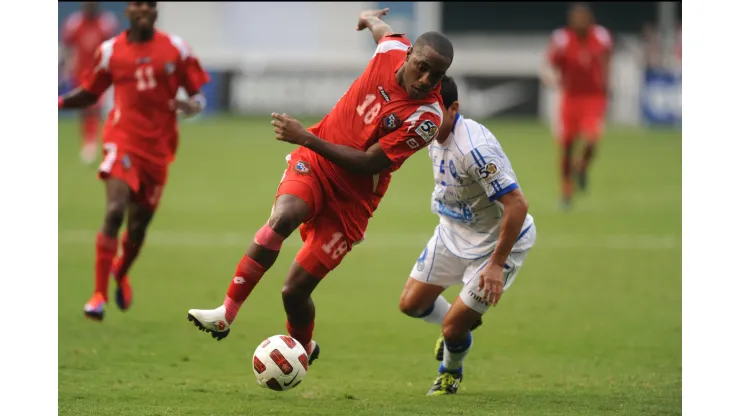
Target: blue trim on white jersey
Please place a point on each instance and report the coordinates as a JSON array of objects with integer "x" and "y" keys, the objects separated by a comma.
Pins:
[
  {"x": 503, "y": 192},
  {"x": 523, "y": 233}
]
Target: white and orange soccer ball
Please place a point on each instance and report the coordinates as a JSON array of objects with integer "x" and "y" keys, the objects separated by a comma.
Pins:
[{"x": 280, "y": 363}]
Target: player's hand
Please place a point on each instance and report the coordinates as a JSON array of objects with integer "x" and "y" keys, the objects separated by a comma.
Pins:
[
  {"x": 491, "y": 282},
  {"x": 288, "y": 129},
  {"x": 368, "y": 14},
  {"x": 186, "y": 107}
]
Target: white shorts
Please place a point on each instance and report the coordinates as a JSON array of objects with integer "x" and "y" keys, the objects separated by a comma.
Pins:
[{"x": 439, "y": 267}]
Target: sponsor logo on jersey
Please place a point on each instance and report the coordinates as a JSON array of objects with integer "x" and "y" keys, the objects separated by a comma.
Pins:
[
  {"x": 385, "y": 95},
  {"x": 427, "y": 130},
  {"x": 391, "y": 122},
  {"x": 489, "y": 171},
  {"x": 144, "y": 60},
  {"x": 302, "y": 167},
  {"x": 169, "y": 68}
]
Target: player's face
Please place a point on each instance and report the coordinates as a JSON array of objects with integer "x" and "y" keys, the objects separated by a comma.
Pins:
[
  {"x": 448, "y": 118},
  {"x": 423, "y": 71},
  {"x": 580, "y": 19},
  {"x": 142, "y": 14}
]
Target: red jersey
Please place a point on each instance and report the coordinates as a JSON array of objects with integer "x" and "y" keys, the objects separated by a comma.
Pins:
[
  {"x": 377, "y": 109},
  {"x": 83, "y": 36},
  {"x": 145, "y": 79},
  {"x": 582, "y": 62}
]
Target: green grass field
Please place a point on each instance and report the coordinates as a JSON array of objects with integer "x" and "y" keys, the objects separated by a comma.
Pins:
[{"x": 592, "y": 325}]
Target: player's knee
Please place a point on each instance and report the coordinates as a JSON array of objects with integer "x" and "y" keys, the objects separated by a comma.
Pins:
[
  {"x": 411, "y": 307},
  {"x": 285, "y": 221},
  {"x": 114, "y": 214},
  {"x": 293, "y": 293}
]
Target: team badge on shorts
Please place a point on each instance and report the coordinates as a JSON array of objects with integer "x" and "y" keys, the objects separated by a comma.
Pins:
[
  {"x": 391, "y": 122},
  {"x": 427, "y": 130},
  {"x": 302, "y": 167},
  {"x": 169, "y": 68}
]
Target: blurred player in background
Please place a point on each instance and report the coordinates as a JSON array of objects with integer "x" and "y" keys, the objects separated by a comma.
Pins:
[
  {"x": 484, "y": 235},
  {"x": 82, "y": 34},
  {"x": 578, "y": 60},
  {"x": 146, "y": 68},
  {"x": 337, "y": 178}
]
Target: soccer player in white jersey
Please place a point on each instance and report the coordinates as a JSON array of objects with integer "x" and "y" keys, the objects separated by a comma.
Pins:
[{"x": 484, "y": 234}]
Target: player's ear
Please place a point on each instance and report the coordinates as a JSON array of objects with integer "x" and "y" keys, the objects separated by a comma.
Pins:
[
  {"x": 408, "y": 53},
  {"x": 455, "y": 106}
]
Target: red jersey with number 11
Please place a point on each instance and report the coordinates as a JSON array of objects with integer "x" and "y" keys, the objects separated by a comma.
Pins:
[
  {"x": 145, "y": 77},
  {"x": 377, "y": 109}
]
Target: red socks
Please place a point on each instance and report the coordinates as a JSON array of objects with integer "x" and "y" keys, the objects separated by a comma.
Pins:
[
  {"x": 105, "y": 251},
  {"x": 302, "y": 335},
  {"x": 248, "y": 274}
]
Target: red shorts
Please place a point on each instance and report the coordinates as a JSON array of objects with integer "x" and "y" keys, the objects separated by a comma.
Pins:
[
  {"x": 581, "y": 116},
  {"x": 145, "y": 179},
  {"x": 333, "y": 224}
]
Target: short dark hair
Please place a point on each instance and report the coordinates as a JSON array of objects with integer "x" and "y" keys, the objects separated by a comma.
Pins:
[
  {"x": 438, "y": 42},
  {"x": 448, "y": 90}
]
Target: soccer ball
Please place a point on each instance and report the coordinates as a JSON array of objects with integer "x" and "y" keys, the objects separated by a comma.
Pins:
[{"x": 280, "y": 363}]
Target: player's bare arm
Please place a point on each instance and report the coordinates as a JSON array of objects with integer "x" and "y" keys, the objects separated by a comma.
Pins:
[
  {"x": 192, "y": 106},
  {"x": 370, "y": 162},
  {"x": 78, "y": 98},
  {"x": 370, "y": 19},
  {"x": 492, "y": 275}
]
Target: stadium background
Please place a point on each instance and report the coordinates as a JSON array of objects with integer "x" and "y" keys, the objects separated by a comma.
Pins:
[{"x": 592, "y": 326}]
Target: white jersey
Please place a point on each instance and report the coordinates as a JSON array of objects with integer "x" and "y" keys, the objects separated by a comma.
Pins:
[{"x": 471, "y": 171}]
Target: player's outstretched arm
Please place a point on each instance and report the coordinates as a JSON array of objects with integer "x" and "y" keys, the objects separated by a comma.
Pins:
[
  {"x": 370, "y": 19},
  {"x": 78, "y": 98},
  {"x": 370, "y": 162}
]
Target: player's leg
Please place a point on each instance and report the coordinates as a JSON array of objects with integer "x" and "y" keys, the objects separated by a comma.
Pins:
[
  {"x": 456, "y": 331},
  {"x": 141, "y": 210},
  {"x": 288, "y": 213},
  {"x": 592, "y": 126},
  {"x": 299, "y": 198},
  {"x": 118, "y": 194},
  {"x": 139, "y": 217},
  {"x": 325, "y": 246},
  {"x": 567, "y": 132},
  {"x": 467, "y": 309},
  {"x": 434, "y": 271},
  {"x": 299, "y": 307}
]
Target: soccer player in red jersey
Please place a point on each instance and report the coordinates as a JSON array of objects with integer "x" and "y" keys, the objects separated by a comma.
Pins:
[
  {"x": 336, "y": 179},
  {"x": 82, "y": 34},
  {"x": 580, "y": 54},
  {"x": 146, "y": 67}
]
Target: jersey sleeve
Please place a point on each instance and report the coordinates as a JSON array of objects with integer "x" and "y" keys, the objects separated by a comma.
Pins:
[
  {"x": 485, "y": 166},
  {"x": 415, "y": 133},
  {"x": 556, "y": 47},
  {"x": 98, "y": 78},
  {"x": 191, "y": 75},
  {"x": 392, "y": 42}
]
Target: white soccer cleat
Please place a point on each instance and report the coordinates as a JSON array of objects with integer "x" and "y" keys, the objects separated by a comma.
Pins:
[{"x": 212, "y": 321}]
